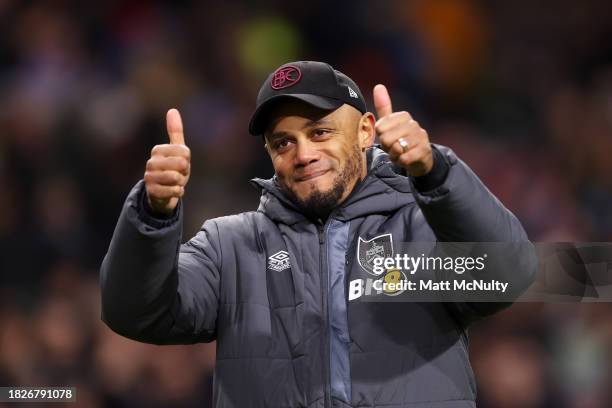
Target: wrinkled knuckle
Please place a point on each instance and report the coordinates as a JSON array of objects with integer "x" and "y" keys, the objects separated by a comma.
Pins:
[
  {"x": 184, "y": 163},
  {"x": 158, "y": 150},
  {"x": 387, "y": 140},
  {"x": 152, "y": 164},
  {"x": 176, "y": 178},
  {"x": 160, "y": 164},
  {"x": 177, "y": 163},
  {"x": 403, "y": 116}
]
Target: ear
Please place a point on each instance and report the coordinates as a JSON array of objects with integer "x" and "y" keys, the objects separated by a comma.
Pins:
[
  {"x": 265, "y": 143},
  {"x": 366, "y": 132}
]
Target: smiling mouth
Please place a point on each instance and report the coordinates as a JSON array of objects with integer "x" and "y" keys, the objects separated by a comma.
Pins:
[{"x": 310, "y": 176}]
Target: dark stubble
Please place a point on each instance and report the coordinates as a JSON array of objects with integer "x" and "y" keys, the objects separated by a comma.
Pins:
[{"x": 319, "y": 204}]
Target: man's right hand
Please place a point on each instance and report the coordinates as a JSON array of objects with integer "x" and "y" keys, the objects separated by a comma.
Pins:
[{"x": 168, "y": 169}]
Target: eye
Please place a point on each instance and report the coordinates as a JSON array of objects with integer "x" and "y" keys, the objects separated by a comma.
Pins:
[
  {"x": 321, "y": 132},
  {"x": 282, "y": 144}
]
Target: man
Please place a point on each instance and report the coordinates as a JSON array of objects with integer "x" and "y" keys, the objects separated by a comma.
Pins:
[{"x": 272, "y": 286}]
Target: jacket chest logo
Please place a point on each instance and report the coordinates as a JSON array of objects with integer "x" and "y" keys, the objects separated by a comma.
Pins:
[
  {"x": 377, "y": 247},
  {"x": 370, "y": 253},
  {"x": 279, "y": 261}
]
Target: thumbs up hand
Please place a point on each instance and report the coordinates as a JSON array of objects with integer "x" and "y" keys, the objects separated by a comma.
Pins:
[
  {"x": 401, "y": 136},
  {"x": 168, "y": 169}
]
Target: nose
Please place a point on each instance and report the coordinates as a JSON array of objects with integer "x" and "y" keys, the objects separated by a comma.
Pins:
[{"x": 305, "y": 153}]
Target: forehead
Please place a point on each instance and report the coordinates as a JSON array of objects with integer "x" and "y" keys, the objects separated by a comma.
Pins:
[{"x": 292, "y": 114}]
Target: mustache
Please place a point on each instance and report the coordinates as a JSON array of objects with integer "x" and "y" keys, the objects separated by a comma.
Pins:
[{"x": 310, "y": 172}]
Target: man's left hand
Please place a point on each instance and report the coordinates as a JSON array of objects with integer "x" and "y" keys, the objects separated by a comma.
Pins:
[{"x": 406, "y": 142}]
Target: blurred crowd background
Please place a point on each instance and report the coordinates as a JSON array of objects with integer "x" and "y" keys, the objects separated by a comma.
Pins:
[{"x": 521, "y": 90}]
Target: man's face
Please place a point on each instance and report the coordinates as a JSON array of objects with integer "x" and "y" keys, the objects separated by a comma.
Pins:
[{"x": 318, "y": 156}]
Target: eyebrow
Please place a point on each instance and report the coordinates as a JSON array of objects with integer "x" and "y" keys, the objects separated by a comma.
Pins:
[
  {"x": 308, "y": 125},
  {"x": 277, "y": 135},
  {"x": 314, "y": 123}
]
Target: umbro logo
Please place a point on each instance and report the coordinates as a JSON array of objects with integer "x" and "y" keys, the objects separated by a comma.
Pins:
[
  {"x": 352, "y": 93},
  {"x": 279, "y": 261}
]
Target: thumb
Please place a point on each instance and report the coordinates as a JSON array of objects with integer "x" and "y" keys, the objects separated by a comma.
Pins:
[
  {"x": 174, "y": 125},
  {"x": 382, "y": 101}
]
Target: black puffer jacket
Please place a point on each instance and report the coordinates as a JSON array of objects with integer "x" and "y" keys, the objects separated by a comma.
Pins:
[{"x": 271, "y": 287}]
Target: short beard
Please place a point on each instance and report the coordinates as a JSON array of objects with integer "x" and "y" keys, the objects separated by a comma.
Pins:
[{"x": 319, "y": 204}]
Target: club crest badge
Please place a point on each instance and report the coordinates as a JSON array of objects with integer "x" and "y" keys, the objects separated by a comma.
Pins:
[
  {"x": 285, "y": 77},
  {"x": 377, "y": 247}
]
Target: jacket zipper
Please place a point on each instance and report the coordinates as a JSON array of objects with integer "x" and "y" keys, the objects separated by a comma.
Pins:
[
  {"x": 324, "y": 290},
  {"x": 348, "y": 266},
  {"x": 325, "y": 341},
  {"x": 350, "y": 253}
]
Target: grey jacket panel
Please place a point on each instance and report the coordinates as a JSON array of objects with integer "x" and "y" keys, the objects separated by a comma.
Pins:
[
  {"x": 337, "y": 251},
  {"x": 260, "y": 284},
  {"x": 463, "y": 209},
  {"x": 148, "y": 286}
]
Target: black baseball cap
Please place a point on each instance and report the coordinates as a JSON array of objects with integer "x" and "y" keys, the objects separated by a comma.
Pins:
[{"x": 315, "y": 83}]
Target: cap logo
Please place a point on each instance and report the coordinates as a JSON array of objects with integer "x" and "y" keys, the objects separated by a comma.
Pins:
[{"x": 285, "y": 77}]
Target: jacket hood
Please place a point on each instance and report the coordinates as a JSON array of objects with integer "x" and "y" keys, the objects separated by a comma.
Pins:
[{"x": 385, "y": 188}]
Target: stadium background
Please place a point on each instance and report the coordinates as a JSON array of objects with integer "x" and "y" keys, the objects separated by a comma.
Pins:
[{"x": 521, "y": 90}]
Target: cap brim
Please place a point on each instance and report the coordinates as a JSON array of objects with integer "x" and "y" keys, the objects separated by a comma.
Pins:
[{"x": 259, "y": 120}]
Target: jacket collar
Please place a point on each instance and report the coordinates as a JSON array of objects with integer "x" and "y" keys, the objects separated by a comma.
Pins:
[{"x": 385, "y": 188}]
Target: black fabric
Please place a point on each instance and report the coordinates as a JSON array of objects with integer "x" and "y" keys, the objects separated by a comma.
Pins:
[
  {"x": 436, "y": 175},
  {"x": 316, "y": 83},
  {"x": 148, "y": 216}
]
